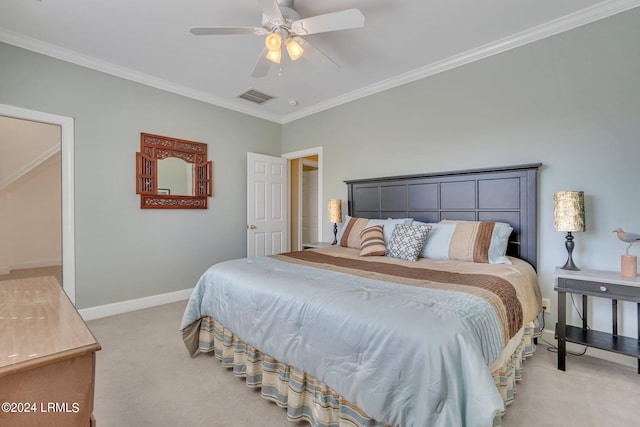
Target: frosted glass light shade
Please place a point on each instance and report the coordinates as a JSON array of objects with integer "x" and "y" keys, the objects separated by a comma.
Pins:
[
  {"x": 273, "y": 41},
  {"x": 274, "y": 56},
  {"x": 294, "y": 49}
]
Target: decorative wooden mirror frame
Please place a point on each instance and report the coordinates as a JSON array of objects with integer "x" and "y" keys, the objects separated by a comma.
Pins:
[{"x": 154, "y": 148}]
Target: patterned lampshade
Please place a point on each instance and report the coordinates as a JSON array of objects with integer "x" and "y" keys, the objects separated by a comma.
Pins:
[
  {"x": 335, "y": 211},
  {"x": 569, "y": 211}
]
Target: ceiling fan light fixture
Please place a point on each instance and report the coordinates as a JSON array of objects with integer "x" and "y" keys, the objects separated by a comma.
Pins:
[
  {"x": 274, "y": 56},
  {"x": 294, "y": 49},
  {"x": 273, "y": 41},
  {"x": 282, "y": 24}
]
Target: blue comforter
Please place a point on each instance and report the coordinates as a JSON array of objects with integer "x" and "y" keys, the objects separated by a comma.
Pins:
[{"x": 408, "y": 356}]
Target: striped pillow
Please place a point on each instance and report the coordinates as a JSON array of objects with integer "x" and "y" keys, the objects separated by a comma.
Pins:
[
  {"x": 350, "y": 233},
  {"x": 373, "y": 241},
  {"x": 479, "y": 241}
]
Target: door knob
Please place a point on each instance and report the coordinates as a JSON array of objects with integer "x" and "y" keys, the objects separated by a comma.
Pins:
[{"x": 251, "y": 227}]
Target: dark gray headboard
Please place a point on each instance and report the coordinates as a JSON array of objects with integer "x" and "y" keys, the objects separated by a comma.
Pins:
[{"x": 505, "y": 194}]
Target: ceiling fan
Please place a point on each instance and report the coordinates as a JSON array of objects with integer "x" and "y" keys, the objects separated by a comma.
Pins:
[{"x": 283, "y": 28}]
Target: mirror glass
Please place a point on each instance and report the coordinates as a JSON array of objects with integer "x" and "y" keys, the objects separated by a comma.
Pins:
[{"x": 175, "y": 177}]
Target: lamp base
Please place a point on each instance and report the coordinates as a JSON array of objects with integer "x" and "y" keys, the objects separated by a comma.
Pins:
[
  {"x": 569, "y": 265},
  {"x": 335, "y": 234}
]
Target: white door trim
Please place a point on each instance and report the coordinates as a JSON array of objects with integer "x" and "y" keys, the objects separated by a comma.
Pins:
[
  {"x": 305, "y": 153},
  {"x": 68, "y": 222}
]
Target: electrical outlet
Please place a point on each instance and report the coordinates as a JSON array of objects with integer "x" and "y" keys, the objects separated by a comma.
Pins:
[{"x": 546, "y": 302}]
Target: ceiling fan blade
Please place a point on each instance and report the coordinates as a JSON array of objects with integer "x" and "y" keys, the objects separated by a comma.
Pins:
[
  {"x": 271, "y": 9},
  {"x": 262, "y": 65},
  {"x": 313, "y": 54},
  {"x": 215, "y": 31},
  {"x": 335, "y": 21}
]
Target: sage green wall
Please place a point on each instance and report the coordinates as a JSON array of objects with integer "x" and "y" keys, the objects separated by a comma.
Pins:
[
  {"x": 571, "y": 101},
  {"x": 123, "y": 252}
]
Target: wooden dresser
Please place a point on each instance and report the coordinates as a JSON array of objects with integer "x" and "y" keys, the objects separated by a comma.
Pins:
[{"x": 47, "y": 357}]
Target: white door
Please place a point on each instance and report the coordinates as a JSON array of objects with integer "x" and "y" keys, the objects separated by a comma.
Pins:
[{"x": 267, "y": 205}]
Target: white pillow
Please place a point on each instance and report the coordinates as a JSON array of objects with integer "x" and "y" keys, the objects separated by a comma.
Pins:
[
  {"x": 437, "y": 245},
  {"x": 499, "y": 243},
  {"x": 389, "y": 225}
]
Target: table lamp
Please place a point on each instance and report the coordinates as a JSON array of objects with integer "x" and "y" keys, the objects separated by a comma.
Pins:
[
  {"x": 335, "y": 216},
  {"x": 569, "y": 217}
]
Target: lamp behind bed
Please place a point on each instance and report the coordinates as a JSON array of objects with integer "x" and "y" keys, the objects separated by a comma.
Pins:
[{"x": 335, "y": 216}]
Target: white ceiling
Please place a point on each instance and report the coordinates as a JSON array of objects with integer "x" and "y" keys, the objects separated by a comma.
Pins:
[{"x": 148, "y": 41}]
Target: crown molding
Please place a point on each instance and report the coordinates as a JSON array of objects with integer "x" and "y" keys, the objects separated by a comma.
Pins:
[
  {"x": 93, "y": 63},
  {"x": 582, "y": 17},
  {"x": 548, "y": 29}
]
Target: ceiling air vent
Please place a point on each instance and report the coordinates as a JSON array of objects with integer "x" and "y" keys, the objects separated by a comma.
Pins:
[{"x": 255, "y": 96}]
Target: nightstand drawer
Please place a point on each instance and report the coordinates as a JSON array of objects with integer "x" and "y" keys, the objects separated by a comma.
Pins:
[{"x": 605, "y": 290}]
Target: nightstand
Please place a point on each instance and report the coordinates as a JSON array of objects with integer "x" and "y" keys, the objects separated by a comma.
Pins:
[
  {"x": 315, "y": 245},
  {"x": 603, "y": 284}
]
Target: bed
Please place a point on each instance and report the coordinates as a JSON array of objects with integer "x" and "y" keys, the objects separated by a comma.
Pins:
[{"x": 431, "y": 334}]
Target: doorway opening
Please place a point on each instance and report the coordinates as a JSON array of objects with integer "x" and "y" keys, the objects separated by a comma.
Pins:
[
  {"x": 305, "y": 197},
  {"x": 64, "y": 152}
]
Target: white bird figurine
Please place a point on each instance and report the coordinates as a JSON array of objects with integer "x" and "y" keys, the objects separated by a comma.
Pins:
[{"x": 629, "y": 238}]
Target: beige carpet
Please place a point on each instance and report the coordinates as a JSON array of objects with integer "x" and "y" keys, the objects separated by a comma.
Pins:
[{"x": 146, "y": 378}]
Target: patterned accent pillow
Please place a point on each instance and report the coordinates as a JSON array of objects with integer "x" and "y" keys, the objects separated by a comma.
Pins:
[
  {"x": 350, "y": 233},
  {"x": 407, "y": 241},
  {"x": 373, "y": 241}
]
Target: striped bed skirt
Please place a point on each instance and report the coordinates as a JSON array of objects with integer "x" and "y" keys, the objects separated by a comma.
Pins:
[{"x": 306, "y": 398}]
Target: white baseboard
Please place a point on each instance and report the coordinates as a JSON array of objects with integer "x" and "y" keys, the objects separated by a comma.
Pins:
[
  {"x": 36, "y": 264},
  {"x": 134, "y": 304},
  {"x": 610, "y": 356},
  {"x": 6, "y": 269}
]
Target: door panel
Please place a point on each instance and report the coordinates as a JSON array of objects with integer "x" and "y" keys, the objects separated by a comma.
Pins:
[{"x": 267, "y": 205}]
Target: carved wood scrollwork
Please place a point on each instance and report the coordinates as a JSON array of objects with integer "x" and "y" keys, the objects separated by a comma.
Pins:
[{"x": 154, "y": 148}]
